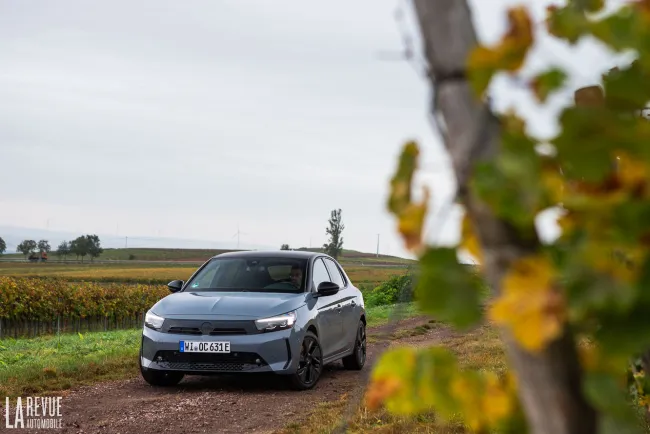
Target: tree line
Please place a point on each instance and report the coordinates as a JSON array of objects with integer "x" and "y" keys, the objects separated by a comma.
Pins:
[{"x": 82, "y": 246}]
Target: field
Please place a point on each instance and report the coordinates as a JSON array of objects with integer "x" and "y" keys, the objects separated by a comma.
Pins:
[
  {"x": 62, "y": 364},
  {"x": 201, "y": 255}
]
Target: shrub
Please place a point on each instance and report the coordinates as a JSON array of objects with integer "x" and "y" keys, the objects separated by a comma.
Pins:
[{"x": 397, "y": 288}]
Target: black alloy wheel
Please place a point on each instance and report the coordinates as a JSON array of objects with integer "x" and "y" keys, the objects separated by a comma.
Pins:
[
  {"x": 310, "y": 364},
  {"x": 357, "y": 359}
]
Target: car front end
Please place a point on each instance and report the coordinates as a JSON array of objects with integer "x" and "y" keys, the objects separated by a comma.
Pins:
[{"x": 212, "y": 344}]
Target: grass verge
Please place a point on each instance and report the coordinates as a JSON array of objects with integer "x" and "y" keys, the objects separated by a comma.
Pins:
[
  {"x": 32, "y": 366},
  {"x": 46, "y": 364}
]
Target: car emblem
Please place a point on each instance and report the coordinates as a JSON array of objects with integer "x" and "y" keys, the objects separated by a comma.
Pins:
[{"x": 206, "y": 328}]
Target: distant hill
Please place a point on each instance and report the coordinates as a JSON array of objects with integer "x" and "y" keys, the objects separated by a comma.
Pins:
[
  {"x": 200, "y": 255},
  {"x": 171, "y": 254}
]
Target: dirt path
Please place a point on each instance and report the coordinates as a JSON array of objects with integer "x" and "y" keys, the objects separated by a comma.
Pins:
[{"x": 241, "y": 404}]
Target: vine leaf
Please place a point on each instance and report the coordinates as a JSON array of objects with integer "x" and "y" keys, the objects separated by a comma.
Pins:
[
  {"x": 409, "y": 381},
  {"x": 447, "y": 289},
  {"x": 411, "y": 215},
  {"x": 530, "y": 306},
  {"x": 508, "y": 55},
  {"x": 548, "y": 82}
]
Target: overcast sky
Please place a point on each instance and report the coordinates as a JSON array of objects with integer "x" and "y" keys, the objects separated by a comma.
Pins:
[{"x": 186, "y": 118}]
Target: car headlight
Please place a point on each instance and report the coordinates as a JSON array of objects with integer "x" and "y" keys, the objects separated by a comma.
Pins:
[
  {"x": 153, "y": 321},
  {"x": 276, "y": 323}
]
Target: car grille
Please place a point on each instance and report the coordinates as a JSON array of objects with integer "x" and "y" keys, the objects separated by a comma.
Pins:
[
  {"x": 234, "y": 362},
  {"x": 210, "y": 328},
  {"x": 185, "y": 331},
  {"x": 215, "y": 332}
]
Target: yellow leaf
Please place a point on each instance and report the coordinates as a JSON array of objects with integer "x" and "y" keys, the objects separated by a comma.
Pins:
[
  {"x": 554, "y": 184},
  {"x": 465, "y": 391},
  {"x": 632, "y": 172},
  {"x": 616, "y": 261},
  {"x": 498, "y": 398},
  {"x": 508, "y": 55},
  {"x": 411, "y": 222},
  {"x": 469, "y": 239},
  {"x": 400, "y": 194},
  {"x": 529, "y": 304},
  {"x": 410, "y": 215}
]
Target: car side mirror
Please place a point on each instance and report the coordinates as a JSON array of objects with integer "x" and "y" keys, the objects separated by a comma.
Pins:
[
  {"x": 175, "y": 285},
  {"x": 327, "y": 288}
]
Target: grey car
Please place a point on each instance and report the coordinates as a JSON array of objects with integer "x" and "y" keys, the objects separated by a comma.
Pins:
[{"x": 285, "y": 312}]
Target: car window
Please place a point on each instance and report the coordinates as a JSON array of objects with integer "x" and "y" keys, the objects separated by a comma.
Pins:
[
  {"x": 204, "y": 279},
  {"x": 265, "y": 274},
  {"x": 335, "y": 274},
  {"x": 320, "y": 273}
]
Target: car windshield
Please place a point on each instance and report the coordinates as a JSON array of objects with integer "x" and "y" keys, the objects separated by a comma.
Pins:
[{"x": 251, "y": 274}]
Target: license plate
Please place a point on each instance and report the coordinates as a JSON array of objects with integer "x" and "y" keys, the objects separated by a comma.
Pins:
[{"x": 204, "y": 347}]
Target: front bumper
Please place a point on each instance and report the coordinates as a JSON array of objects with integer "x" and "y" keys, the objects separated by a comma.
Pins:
[{"x": 276, "y": 352}]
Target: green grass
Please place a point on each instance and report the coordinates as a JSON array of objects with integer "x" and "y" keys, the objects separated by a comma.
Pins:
[
  {"x": 50, "y": 363},
  {"x": 29, "y": 366},
  {"x": 380, "y": 315}
]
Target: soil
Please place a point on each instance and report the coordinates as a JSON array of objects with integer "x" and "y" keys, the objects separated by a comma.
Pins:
[{"x": 220, "y": 404}]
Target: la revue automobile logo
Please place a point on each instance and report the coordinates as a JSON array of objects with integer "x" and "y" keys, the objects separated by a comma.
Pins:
[{"x": 34, "y": 412}]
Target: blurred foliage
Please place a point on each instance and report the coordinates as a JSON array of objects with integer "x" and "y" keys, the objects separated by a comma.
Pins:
[{"x": 590, "y": 282}]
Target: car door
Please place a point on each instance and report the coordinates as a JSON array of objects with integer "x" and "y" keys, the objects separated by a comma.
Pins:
[
  {"x": 330, "y": 326},
  {"x": 349, "y": 312}
]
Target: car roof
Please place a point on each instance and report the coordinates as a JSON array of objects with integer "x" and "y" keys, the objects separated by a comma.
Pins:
[{"x": 291, "y": 254}]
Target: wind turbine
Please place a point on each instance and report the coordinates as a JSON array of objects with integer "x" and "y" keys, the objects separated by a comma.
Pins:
[{"x": 237, "y": 235}]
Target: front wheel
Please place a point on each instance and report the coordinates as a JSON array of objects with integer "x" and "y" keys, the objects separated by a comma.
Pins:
[
  {"x": 310, "y": 365},
  {"x": 357, "y": 359}
]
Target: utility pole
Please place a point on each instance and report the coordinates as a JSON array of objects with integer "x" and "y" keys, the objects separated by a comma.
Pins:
[{"x": 377, "y": 245}]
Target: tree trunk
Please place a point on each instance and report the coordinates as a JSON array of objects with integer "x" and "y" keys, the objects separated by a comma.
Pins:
[{"x": 549, "y": 382}]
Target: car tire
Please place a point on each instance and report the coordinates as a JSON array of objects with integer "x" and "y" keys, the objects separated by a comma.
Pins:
[
  {"x": 310, "y": 364},
  {"x": 357, "y": 359},
  {"x": 159, "y": 378}
]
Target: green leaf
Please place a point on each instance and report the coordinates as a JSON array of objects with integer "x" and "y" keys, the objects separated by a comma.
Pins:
[
  {"x": 584, "y": 146},
  {"x": 621, "y": 30},
  {"x": 511, "y": 184},
  {"x": 547, "y": 82},
  {"x": 587, "y": 5},
  {"x": 605, "y": 393},
  {"x": 568, "y": 23},
  {"x": 627, "y": 89},
  {"x": 628, "y": 333},
  {"x": 447, "y": 289},
  {"x": 80, "y": 335},
  {"x": 400, "y": 195},
  {"x": 608, "y": 424}
]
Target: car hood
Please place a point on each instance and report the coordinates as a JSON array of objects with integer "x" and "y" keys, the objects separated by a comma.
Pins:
[{"x": 240, "y": 304}]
